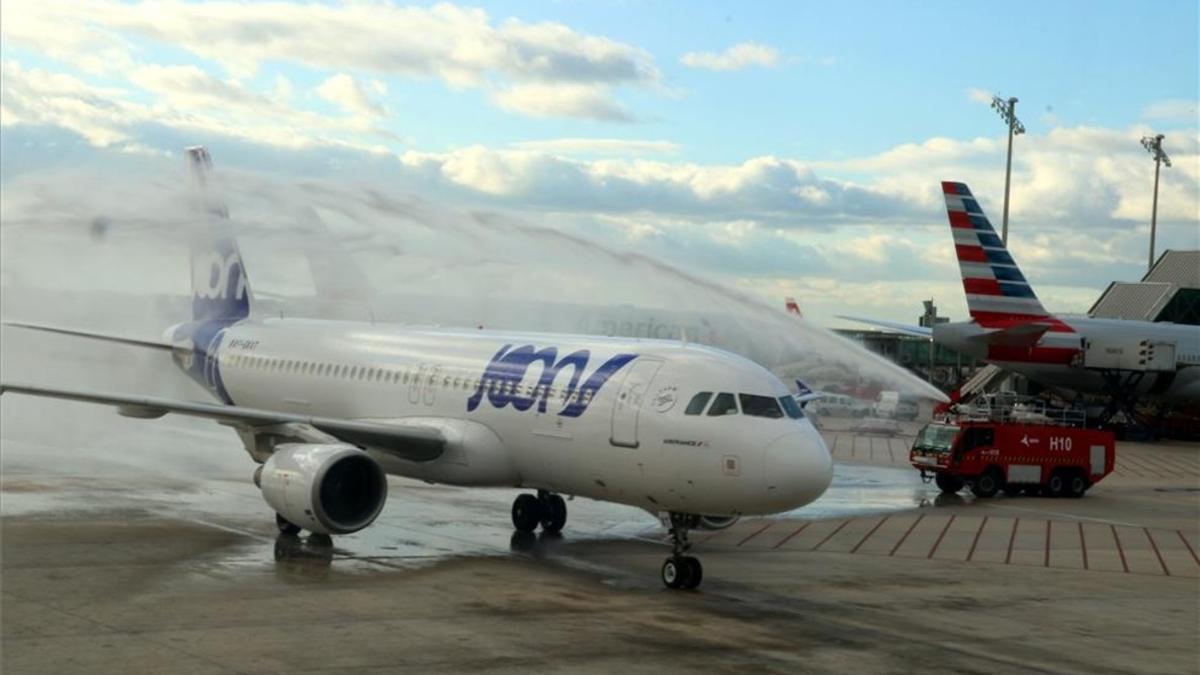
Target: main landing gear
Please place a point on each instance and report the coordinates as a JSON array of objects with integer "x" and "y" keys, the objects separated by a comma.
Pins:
[
  {"x": 682, "y": 571},
  {"x": 546, "y": 509}
]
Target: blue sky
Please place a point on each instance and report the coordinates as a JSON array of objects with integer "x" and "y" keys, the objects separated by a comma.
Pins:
[{"x": 729, "y": 138}]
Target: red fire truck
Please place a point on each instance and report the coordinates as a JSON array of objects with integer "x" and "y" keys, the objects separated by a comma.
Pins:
[{"x": 989, "y": 456}]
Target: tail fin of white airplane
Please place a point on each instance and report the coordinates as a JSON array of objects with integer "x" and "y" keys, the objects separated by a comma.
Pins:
[
  {"x": 220, "y": 290},
  {"x": 998, "y": 295},
  {"x": 793, "y": 307}
]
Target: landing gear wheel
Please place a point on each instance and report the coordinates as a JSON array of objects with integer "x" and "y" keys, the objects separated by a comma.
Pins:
[
  {"x": 947, "y": 483},
  {"x": 674, "y": 572},
  {"x": 695, "y": 572},
  {"x": 681, "y": 571},
  {"x": 554, "y": 513},
  {"x": 988, "y": 484},
  {"x": 1057, "y": 485},
  {"x": 526, "y": 513},
  {"x": 286, "y": 526},
  {"x": 1077, "y": 484}
]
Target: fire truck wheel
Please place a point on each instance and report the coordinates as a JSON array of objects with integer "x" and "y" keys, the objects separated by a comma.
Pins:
[
  {"x": 947, "y": 483},
  {"x": 1057, "y": 485},
  {"x": 1077, "y": 484},
  {"x": 988, "y": 484}
]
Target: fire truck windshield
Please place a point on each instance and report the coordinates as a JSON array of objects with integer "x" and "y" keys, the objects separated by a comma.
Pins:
[{"x": 936, "y": 437}]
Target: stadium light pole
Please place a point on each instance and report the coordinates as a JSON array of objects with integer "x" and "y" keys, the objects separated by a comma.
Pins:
[
  {"x": 1153, "y": 145},
  {"x": 1008, "y": 112}
]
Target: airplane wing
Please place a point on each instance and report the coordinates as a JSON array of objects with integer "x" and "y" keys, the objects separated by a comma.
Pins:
[
  {"x": 919, "y": 331},
  {"x": 94, "y": 336},
  {"x": 415, "y": 443}
]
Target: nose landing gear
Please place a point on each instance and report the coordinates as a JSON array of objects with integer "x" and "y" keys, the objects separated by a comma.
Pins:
[
  {"x": 682, "y": 571},
  {"x": 546, "y": 509}
]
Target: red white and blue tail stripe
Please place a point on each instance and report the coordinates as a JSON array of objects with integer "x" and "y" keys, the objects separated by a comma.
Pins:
[{"x": 998, "y": 295}]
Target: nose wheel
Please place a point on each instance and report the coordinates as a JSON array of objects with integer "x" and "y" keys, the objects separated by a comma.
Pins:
[
  {"x": 681, "y": 572},
  {"x": 546, "y": 509}
]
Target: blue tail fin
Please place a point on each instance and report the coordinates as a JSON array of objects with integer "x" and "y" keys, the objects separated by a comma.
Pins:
[{"x": 220, "y": 290}]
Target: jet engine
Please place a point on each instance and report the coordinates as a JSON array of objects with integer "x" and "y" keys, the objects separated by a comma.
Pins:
[
  {"x": 323, "y": 488},
  {"x": 716, "y": 522},
  {"x": 700, "y": 522}
]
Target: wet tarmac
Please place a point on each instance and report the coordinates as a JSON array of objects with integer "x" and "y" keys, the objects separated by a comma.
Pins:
[{"x": 112, "y": 564}]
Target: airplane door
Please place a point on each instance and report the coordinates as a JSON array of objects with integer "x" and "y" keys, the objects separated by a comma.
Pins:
[{"x": 629, "y": 402}]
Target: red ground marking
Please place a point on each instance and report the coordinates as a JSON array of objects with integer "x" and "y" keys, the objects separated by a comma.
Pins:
[
  {"x": 868, "y": 535},
  {"x": 1046, "y": 560},
  {"x": 755, "y": 533},
  {"x": 1011, "y": 538},
  {"x": 789, "y": 537},
  {"x": 906, "y": 533},
  {"x": 1083, "y": 545},
  {"x": 1189, "y": 546},
  {"x": 830, "y": 535},
  {"x": 1154, "y": 546},
  {"x": 1121, "y": 551},
  {"x": 975, "y": 541},
  {"x": 871, "y": 449},
  {"x": 940, "y": 536}
]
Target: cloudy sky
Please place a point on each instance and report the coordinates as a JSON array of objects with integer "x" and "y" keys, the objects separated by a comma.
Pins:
[{"x": 783, "y": 148}]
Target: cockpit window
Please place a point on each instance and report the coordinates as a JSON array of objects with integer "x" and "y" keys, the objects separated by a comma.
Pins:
[
  {"x": 696, "y": 406},
  {"x": 723, "y": 404},
  {"x": 791, "y": 407},
  {"x": 760, "y": 406}
]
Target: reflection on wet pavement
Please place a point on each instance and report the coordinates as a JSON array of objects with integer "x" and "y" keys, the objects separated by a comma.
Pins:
[{"x": 421, "y": 525}]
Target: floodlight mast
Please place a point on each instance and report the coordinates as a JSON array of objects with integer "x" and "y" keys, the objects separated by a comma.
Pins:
[
  {"x": 1153, "y": 145},
  {"x": 1008, "y": 112}
]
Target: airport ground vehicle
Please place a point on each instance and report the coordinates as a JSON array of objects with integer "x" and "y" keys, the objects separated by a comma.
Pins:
[
  {"x": 993, "y": 455},
  {"x": 838, "y": 405},
  {"x": 894, "y": 405}
]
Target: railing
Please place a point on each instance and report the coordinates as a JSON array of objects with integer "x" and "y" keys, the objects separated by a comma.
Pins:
[{"x": 1017, "y": 408}]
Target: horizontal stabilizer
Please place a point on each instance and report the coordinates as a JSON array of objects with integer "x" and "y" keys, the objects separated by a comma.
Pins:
[
  {"x": 414, "y": 443},
  {"x": 153, "y": 344},
  {"x": 908, "y": 329},
  {"x": 1020, "y": 335}
]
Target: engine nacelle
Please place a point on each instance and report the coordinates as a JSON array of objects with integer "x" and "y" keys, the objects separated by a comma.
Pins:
[
  {"x": 700, "y": 522},
  {"x": 716, "y": 522},
  {"x": 323, "y": 488}
]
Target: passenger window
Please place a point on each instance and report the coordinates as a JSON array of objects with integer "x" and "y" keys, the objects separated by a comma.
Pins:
[
  {"x": 723, "y": 404},
  {"x": 696, "y": 405},
  {"x": 760, "y": 406}
]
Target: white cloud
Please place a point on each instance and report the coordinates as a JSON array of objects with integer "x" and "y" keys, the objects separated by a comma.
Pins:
[
  {"x": 599, "y": 146},
  {"x": 462, "y": 47},
  {"x": 980, "y": 95},
  {"x": 1174, "y": 109},
  {"x": 190, "y": 88},
  {"x": 737, "y": 57},
  {"x": 345, "y": 91},
  {"x": 188, "y": 100},
  {"x": 586, "y": 101}
]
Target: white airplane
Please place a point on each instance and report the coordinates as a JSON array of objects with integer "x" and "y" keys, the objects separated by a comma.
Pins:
[
  {"x": 330, "y": 408},
  {"x": 1010, "y": 328}
]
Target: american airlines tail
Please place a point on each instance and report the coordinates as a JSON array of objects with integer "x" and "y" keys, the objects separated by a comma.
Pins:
[{"x": 998, "y": 295}]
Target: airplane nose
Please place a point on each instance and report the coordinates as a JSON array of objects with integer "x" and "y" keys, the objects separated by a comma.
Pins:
[{"x": 799, "y": 468}]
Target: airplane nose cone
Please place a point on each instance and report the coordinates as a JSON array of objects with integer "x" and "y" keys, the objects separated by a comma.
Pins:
[{"x": 799, "y": 468}]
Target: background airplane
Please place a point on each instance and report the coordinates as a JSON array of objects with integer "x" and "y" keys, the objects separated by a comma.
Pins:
[{"x": 1011, "y": 329}]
